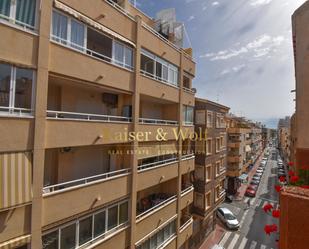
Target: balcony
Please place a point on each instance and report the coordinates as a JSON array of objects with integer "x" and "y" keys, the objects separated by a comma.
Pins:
[
  {"x": 234, "y": 144},
  {"x": 151, "y": 219},
  {"x": 17, "y": 133},
  {"x": 18, "y": 46},
  {"x": 186, "y": 196},
  {"x": 187, "y": 163},
  {"x": 154, "y": 173},
  {"x": 185, "y": 231},
  {"x": 89, "y": 171}
]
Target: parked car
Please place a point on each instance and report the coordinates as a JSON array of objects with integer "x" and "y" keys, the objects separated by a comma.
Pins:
[
  {"x": 254, "y": 182},
  {"x": 228, "y": 199},
  {"x": 256, "y": 177},
  {"x": 260, "y": 170},
  {"x": 281, "y": 174},
  {"x": 263, "y": 163},
  {"x": 265, "y": 158},
  {"x": 227, "y": 217},
  {"x": 250, "y": 192}
]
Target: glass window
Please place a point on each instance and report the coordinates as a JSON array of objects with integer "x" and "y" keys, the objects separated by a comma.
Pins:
[
  {"x": 25, "y": 11},
  {"x": 99, "y": 224},
  {"x": 112, "y": 217},
  {"x": 165, "y": 73},
  {"x": 128, "y": 58},
  {"x": 5, "y": 79},
  {"x": 153, "y": 241},
  {"x": 85, "y": 230},
  {"x": 146, "y": 245},
  {"x": 68, "y": 237},
  {"x": 118, "y": 53},
  {"x": 160, "y": 237},
  {"x": 123, "y": 213},
  {"x": 77, "y": 35},
  {"x": 23, "y": 88},
  {"x": 166, "y": 232},
  {"x": 159, "y": 70},
  {"x": 50, "y": 240},
  {"x": 60, "y": 27},
  {"x": 5, "y": 7},
  {"x": 147, "y": 65}
]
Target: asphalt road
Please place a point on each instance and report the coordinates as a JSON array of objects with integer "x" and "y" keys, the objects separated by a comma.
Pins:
[{"x": 251, "y": 233}]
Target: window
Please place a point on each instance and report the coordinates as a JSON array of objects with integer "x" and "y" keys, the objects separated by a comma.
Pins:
[
  {"x": 221, "y": 142},
  {"x": 160, "y": 237},
  {"x": 208, "y": 145},
  {"x": 77, "y": 35},
  {"x": 67, "y": 236},
  {"x": 198, "y": 200},
  {"x": 199, "y": 172},
  {"x": 20, "y": 12},
  {"x": 188, "y": 114},
  {"x": 123, "y": 55},
  {"x": 208, "y": 200},
  {"x": 186, "y": 81},
  {"x": 200, "y": 117},
  {"x": 217, "y": 144},
  {"x": 84, "y": 230},
  {"x": 218, "y": 166},
  {"x": 209, "y": 119},
  {"x": 218, "y": 120},
  {"x": 208, "y": 173},
  {"x": 158, "y": 68},
  {"x": 16, "y": 86}
]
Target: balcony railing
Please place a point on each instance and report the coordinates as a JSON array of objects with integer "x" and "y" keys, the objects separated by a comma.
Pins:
[
  {"x": 157, "y": 121},
  {"x": 84, "y": 181},
  {"x": 157, "y": 164},
  {"x": 161, "y": 80},
  {"x": 187, "y": 157},
  {"x": 189, "y": 90},
  {"x": 187, "y": 123},
  {"x": 14, "y": 111},
  {"x": 186, "y": 224},
  {"x": 156, "y": 207},
  {"x": 89, "y": 52},
  {"x": 119, "y": 8},
  {"x": 187, "y": 189},
  {"x": 22, "y": 25},
  {"x": 87, "y": 117}
]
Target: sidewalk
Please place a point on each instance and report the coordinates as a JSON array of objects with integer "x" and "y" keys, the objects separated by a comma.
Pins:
[
  {"x": 214, "y": 237},
  {"x": 242, "y": 189}
]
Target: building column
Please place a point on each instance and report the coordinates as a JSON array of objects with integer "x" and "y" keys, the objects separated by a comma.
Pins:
[
  {"x": 40, "y": 119},
  {"x": 135, "y": 120},
  {"x": 180, "y": 121}
]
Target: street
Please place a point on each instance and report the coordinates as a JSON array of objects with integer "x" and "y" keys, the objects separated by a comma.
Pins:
[{"x": 251, "y": 233}]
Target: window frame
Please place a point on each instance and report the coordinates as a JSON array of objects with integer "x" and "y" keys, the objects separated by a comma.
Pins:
[
  {"x": 208, "y": 148},
  {"x": 12, "y": 92},
  {"x": 209, "y": 122}
]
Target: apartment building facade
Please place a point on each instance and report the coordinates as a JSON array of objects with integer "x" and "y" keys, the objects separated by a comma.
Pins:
[
  {"x": 85, "y": 88},
  {"x": 210, "y": 166},
  {"x": 256, "y": 141},
  {"x": 239, "y": 152}
]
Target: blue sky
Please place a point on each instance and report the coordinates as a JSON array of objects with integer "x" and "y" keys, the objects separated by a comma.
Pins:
[{"x": 243, "y": 51}]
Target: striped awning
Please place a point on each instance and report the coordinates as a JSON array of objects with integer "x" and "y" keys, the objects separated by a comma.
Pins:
[
  {"x": 13, "y": 243},
  {"x": 90, "y": 22},
  {"x": 15, "y": 179}
]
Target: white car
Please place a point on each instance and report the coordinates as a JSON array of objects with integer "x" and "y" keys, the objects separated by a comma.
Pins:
[
  {"x": 263, "y": 163},
  {"x": 228, "y": 218}
]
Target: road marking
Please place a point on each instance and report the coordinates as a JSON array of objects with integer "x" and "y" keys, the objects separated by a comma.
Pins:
[
  {"x": 243, "y": 217},
  {"x": 263, "y": 247},
  {"x": 234, "y": 241},
  {"x": 225, "y": 238},
  {"x": 253, "y": 244},
  {"x": 243, "y": 243},
  {"x": 258, "y": 202}
]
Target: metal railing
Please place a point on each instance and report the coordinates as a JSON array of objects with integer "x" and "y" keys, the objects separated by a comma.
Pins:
[
  {"x": 188, "y": 188},
  {"x": 119, "y": 8},
  {"x": 158, "y": 206},
  {"x": 87, "y": 117},
  {"x": 15, "y": 111},
  {"x": 187, "y": 157},
  {"x": 158, "y": 163},
  {"x": 189, "y": 90},
  {"x": 161, "y": 80},
  {"x": 84, "y": 181},
  {"x": 187, "y": 123},
  {"x": 186, "y": 224},
  {"x": 157, "y": 121},
  {"x": 89, "y": 52}
]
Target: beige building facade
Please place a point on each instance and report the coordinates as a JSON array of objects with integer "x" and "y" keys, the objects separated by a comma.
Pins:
[{"x": 86, "y": 87}]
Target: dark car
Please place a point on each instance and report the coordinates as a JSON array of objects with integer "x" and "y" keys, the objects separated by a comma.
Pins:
[
  {"x": 254, "y": 182},
  {"x": 228, "y": 199}
]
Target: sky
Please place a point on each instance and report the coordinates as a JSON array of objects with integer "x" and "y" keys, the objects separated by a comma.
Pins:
[{"x": 243, "y": 50}]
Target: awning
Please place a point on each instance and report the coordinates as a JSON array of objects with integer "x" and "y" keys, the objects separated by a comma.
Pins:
[
  {"x": 13, "y": 243},
  {"x": 243, "y": 177},
  {"x": 90, "y": 22},
  {"x": 15, "y": 179},
  {"x": 248, "y": 148}
]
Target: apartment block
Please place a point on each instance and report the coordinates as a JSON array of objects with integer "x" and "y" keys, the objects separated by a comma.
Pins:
[
  {"x": 239, "y": 152},
  {"x": 210, "y": 166},
  {"x": 256, "y": 141},
  {"x": 301, "y": 117},
  {"x": 86, "y": 87},
  {"x": 284, "y": 136}
]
